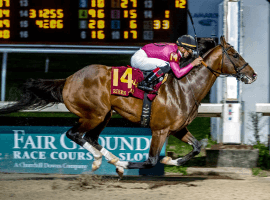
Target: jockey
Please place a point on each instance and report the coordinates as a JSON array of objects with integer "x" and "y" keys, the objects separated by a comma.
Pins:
[{"x": 161, "y": 57}]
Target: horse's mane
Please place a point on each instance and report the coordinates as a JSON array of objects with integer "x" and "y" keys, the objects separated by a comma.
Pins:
[
  {"x": 204, "y": 46},
  {"x": 208, "y": 52}
]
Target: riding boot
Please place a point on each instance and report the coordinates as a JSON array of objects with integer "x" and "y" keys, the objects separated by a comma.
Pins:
[{"x": 151, "y": 80}]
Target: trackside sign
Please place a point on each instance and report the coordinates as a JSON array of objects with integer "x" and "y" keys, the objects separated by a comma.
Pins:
[{"x": 46, "y": 149}]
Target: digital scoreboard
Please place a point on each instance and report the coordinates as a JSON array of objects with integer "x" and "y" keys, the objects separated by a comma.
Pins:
[{"x": 79, "y": 22}]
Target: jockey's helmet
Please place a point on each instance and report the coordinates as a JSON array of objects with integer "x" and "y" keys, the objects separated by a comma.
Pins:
[{"x": 186, "y": 41}]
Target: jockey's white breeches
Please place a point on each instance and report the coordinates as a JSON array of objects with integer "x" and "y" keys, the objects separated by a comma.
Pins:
[{"x": 141, "y": 61}]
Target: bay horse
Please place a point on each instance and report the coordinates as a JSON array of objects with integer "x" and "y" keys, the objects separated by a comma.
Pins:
[{"x": 87, "y": 94}]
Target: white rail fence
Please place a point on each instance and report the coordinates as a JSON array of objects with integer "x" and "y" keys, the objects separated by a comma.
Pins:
[
  {"x": 263, "y": 108},
  {"x": 205, "y": 109}
]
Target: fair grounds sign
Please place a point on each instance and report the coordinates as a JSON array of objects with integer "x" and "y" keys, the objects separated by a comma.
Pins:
[{"x": 39, "y": 149}]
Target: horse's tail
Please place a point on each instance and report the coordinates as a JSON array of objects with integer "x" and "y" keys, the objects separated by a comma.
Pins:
[{"x": 36, "y": 94}]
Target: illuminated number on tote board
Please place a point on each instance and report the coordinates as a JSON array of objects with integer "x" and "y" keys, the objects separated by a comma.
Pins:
[
  {"x": 124, "y": 3},
  {"x": 5, "y": 34},
  {"x": 4, "y": 23},
  {"x": 165, "y": 24},
  {"x": 4, "y": 3},
  {"x": 180, "y": 3},
  {"x": 128, "y": 74},
  {"x": 4, "y": 13}
]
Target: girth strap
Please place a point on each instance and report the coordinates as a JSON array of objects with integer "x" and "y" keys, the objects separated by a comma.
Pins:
[{"x": 146, "y": 111}]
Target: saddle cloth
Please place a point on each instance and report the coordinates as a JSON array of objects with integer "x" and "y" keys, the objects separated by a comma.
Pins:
[{"x": 124, "y": 82}]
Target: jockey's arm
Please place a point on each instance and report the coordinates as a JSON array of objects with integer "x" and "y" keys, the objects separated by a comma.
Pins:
[{"x": 179, "y": 72}]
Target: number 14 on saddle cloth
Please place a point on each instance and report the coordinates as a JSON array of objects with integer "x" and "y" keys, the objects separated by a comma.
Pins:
[{"x": 124, "y": 82}]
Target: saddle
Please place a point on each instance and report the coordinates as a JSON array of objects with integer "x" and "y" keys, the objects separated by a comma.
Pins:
[{"x": 124, "y": 81}]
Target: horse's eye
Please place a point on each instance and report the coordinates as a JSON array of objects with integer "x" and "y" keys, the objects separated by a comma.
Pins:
[{"x": 235, "y": 55}]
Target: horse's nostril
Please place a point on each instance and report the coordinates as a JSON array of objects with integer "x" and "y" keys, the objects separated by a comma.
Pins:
[{"x": 254, "y": 74}]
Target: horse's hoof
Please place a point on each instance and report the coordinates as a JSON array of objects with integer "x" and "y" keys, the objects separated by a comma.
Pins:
[
  {"x": 165, "y": 160},
  {"x": 96, "y": 164},
  {"x": 113, "y": 161},
  {"x": 94, "y": 168},
  {"x": 181, "y": 161},
  {"x": 120, "y": 171}
]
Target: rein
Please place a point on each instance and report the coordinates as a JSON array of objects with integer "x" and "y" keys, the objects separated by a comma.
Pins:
[{"x": 238, "y": 74}]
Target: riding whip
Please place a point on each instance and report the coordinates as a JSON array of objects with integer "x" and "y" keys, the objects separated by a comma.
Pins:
[{"x": 189, "y": 14}]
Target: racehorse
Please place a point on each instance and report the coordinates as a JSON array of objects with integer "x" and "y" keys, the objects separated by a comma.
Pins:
[{"x": 86, "y": 93}]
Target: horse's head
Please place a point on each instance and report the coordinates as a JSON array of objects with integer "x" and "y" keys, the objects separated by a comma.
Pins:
[{"x": 232, "y": 63}]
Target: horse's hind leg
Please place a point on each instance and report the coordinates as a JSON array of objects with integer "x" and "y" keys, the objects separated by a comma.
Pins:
[
  {"x": 93, "y": 145},
  {"x": 89, "y": 139},
  {"x": 186, "y": 137},
  {"x": 77, "y": 136}
]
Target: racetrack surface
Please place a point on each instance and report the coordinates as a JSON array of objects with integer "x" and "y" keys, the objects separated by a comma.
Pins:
[{"x": 200, "y": 185}]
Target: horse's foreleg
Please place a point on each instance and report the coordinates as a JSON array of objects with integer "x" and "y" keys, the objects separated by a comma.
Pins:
[
  {"x": 158, "y": 140},
  {"x": 186, "y": 137}
]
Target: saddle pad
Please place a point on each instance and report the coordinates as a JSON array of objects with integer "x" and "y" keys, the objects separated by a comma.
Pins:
[{"x": 124, "y": 81}]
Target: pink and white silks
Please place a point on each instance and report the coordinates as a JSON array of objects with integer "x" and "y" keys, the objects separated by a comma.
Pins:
[{"x": 156, "y": 55}]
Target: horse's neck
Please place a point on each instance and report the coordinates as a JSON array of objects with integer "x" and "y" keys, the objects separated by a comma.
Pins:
[
  {"x": 207, "y": 81},
  {"x": 203, "y": 79}
]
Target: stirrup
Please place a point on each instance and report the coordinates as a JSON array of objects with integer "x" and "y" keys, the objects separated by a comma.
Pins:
[{"x": 145, "y": 88}]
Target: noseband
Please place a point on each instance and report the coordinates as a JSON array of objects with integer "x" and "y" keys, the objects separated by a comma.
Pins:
[{"x": 238, "y": 74}]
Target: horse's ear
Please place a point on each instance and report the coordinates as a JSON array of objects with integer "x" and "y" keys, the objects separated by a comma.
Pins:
[{"x": 222, "y": 40}]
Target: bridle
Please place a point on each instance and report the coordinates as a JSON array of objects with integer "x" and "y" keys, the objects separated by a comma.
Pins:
[{"x": 238, "y": 73}]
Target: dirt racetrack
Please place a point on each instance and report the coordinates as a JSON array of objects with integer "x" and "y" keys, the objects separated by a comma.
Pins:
[{"x": 199, "y": 185}]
